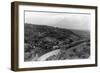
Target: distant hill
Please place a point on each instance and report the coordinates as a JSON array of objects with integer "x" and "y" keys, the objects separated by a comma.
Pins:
[
  {"x": 39, "y": 31},
  {"x": 82, "y": 33}
]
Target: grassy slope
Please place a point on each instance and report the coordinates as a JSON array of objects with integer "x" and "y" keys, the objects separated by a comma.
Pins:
[{"x": 40, "y": 39}]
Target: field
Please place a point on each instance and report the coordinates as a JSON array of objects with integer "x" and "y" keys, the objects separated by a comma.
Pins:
[{"x": 42, "y": 43}]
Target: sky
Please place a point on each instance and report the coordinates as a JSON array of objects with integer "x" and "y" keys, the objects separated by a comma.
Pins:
[{"x": 62, "y": 20}]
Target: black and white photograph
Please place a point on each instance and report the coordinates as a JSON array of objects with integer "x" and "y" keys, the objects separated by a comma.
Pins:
[
  {"x": 53, "y": 36},
  {"x": 56, "y": 36}
]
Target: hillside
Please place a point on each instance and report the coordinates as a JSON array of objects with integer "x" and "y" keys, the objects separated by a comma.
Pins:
[{"x": 41, "y": 39}]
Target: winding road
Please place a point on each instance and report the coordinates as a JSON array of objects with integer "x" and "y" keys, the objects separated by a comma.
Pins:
[
  {"x": 55, "y": 52},
  {"x": 45, "y": 56}
]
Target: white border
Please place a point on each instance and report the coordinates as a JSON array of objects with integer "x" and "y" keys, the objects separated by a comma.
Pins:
[{"x": 22, "y": 64}]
